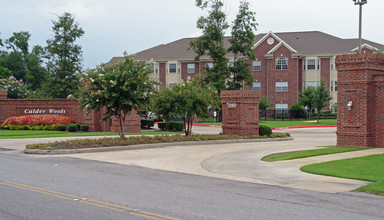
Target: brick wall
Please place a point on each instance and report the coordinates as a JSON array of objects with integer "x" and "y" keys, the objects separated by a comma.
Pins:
[
  {"x": 240, "y": 112},
  {"x": 360, "y": 81},
  {"x": 62, "y": 107}
]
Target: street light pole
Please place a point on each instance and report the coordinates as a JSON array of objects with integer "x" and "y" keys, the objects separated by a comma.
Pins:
[{"x": 360, "y": 3}]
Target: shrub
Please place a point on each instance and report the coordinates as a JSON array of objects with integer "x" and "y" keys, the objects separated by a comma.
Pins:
[
  {"x": 72, "y": 127},
  {"x": 176, "y": 125},
  {"x": 265, "y": 130},
  {"x": 38, "y": 120},
  {"x": 78, "y": 126},
  {"x": 61, "y": 127},
  {"x": 147, "y": 123},
  {"x": 297, "y": 111},
  {"x": 84, "y": 127},
  {"x": 161, "y": 125}
]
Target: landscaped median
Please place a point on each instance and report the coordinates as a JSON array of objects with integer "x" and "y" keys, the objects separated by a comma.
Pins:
[
  {"x": 367, "y": 168},
  {"x": 140, "y": 142}
]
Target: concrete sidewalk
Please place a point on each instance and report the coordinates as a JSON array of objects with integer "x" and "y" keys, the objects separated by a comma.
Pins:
[{"x": 240, "y": 161}]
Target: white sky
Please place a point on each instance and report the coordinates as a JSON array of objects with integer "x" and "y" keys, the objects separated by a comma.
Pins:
[{"x": 114, "y": 26}]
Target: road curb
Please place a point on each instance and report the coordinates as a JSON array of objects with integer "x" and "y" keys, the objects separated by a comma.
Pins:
[{"x": 147, "y": 146}]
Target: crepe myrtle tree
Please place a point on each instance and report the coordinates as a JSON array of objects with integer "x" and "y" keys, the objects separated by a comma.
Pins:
[
  {"x": 186, "y": 101},
  {"x": 118, "y": 89}
]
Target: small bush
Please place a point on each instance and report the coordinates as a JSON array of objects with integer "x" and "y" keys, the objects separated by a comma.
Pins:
[
  {"x": 147, "y": 123},
  {"x": 265, "y": 130},
  {"x": 61, "y": 127},
  {"x": 72, "y": 127},
  {"x": 161, "y": 125},
  {"x": 297, "y": 111},
  {"x": 176, "y": 125},
  {"x": 84, "y": 127},
  {"x": 78, "y": 126}
]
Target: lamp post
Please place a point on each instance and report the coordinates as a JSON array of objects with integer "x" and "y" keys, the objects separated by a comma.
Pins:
[{"x": 360, "y": 3}]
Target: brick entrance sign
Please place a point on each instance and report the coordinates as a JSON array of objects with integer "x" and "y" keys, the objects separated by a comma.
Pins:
[
  {"x": 62, "y": 107},
  {"x": 240, "y": 112},
  {"x": 360, "y": 100}
]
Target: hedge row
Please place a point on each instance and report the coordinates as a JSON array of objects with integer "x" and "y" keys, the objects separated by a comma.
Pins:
[
  {"x": 147, "y": 123},
  {"x": 173, "y": 125}
]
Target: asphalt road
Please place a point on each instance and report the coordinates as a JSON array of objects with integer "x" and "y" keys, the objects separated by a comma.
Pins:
[{"x": 68, "y": 188}]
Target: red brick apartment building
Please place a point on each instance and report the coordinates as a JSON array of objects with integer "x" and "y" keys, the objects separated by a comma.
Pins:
[{"x": 285, "y": 63}]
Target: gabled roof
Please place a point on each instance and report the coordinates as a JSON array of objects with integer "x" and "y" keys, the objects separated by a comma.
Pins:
[{"x": 311, "y": 43}]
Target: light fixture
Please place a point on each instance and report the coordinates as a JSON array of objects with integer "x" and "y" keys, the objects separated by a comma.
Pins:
[{"x": 360, "y": 3}]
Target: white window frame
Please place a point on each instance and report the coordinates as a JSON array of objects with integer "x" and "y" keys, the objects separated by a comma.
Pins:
[
  {"x": 281, "y": 87},
  {"x": 281, "y": 63},
  {"x": 256, "y": 86},
  {"x": 281, "y": 107},
  {"x": 157, "y": 68},
  {"x": 256, "y": 65},
  {"x": 311, "y": 83},
  {"x": 311, "y": 64},
  {"x": 175, "y": 68},
  {"x": 209, "y": 65},
  {"x": 191, "y": 68}
]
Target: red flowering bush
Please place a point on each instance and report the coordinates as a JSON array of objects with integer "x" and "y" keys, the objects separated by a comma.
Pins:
[{"x": 38, "y": 120}]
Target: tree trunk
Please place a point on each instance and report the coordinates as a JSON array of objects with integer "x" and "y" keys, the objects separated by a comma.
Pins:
[{"x": 122, "y": 132}]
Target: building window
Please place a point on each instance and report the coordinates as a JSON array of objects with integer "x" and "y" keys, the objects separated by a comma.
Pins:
[
  {"x": 311, "y": 83},
  {"x": 332, "y": 64},
  {"x": 318, "y": 64},
  {"x": 281, "y": 87},
  {"x": 157, "y": 68},
  {"x": 311, "y": 65},
  {"x": 179, "y": 67},
  {"x": 231, "y": 64},
  {"x": 172, "y": 68},
  {"x": 331, "y": 86},
  {"x": 335, "y": 86},
  {"x": 282, "y": 63},
  {"x": 256, "y": 86},
  {"x": 209, "y": 65},
  {"x": 303, "y": 64},
  {"x": 256, "y": 65},
  {"x": 171, "y": 85},
  {"x": 190, "y": 68},
  {"x": 281, "y": 108}
]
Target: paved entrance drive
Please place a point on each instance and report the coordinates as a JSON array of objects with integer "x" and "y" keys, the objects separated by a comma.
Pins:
[{"x": 242, "y": 161}]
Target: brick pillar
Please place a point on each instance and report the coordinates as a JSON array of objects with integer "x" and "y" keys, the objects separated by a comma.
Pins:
[
  {"x": 132, "y": 123},
  {"x": 240, "y": 112},
  {"x": 360, "y": 100},
  {"x": 3, "y": 94}
]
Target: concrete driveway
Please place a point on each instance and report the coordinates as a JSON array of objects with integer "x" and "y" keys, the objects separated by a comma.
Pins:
[{"x": 241, "y": 162}]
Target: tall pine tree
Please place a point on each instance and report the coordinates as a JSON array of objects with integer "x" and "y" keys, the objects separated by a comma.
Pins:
[{"x": 65, "y": 58}]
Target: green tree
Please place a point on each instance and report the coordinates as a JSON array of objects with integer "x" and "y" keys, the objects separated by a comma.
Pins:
[
  {"x": 118, "y": 89},
  {"x": 161, "y": 105},
  {"x": 187, "y": 101},
  {"x": 243, "y": 28},
  {"x": 24, "y": 65},
  {"x": 211, "y": 42},
  {"x": 264, "y": 104},
  {"x": 315, "y": 98},
  {"x": 65, "y": 57}
]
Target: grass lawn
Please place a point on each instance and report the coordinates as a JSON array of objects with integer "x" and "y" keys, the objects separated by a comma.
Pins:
[
  {"x": 287, "y": 123},
  {"x": 368, "y": 168},
  {"x": 17, "y": 134},
  {"x": 311, "y": 153}
]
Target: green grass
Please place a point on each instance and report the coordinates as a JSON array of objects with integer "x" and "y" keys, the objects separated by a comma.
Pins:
[
  {"x": 310, "y": 153},
  {"x": 368, "y": 168},
  {"x": 17, "y": 134},
  {"x": 287, "y": 123}
]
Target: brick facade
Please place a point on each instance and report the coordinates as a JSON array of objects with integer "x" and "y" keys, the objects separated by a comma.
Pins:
[
  {"x": 361, "y": 83},
  {"x": 240, "y": 112}
]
